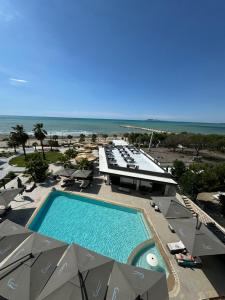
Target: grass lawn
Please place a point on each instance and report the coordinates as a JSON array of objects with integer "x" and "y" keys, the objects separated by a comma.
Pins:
[{"x": 51, "y": 157}]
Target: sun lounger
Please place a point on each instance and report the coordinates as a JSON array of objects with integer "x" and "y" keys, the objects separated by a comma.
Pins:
[
  {"x": 176, "y": 247},
  {"x": 187, "y": 260},
  {"x": 84, "y": 184},
  {"x": 156, "y": 208},
  {"x": 152, "y": 203},
  {"x": 30, "y": 187},
  {"x": 171, "y": 228},
  {"x": 67, "y": 182}
]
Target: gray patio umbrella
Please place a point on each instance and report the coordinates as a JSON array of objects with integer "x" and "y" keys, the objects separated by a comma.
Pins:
[
  {"x": 6, "y": 196},
  {"x": 34, "y": 246},
  {"x": 129, "y": 282},
  {"x": 81, "y": 272},
  {"x": 172, "y": 208},
  {"x": 82, "y": 174},
  {"x": 64, "y": 172},
  {"x": 27, "y": 279},
  {"x": 197, "y": 238},
  {"x": 11, "y": 236}
]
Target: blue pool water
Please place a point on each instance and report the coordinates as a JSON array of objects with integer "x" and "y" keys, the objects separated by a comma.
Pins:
[
  {"x": 108, "y": 229},
  {"x": 141, "y": 261}
]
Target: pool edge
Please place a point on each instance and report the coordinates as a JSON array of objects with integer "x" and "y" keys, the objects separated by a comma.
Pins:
[{"x": 171, "y": 282}]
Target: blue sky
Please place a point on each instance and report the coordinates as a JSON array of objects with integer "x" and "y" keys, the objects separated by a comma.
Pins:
[{"x": 114, "y": 59}]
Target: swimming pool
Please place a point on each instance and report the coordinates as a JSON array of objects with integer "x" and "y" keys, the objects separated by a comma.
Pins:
[
  {"x": 140, "y": 259},
  {"x": 109, "y": 229}
]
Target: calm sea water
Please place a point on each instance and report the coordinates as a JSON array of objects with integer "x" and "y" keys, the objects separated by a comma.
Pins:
[{"x": 75, "y": 126}]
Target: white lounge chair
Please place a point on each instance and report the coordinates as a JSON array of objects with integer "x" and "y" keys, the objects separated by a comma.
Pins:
[
  {"x": 84, "y": 184},
  {"x": 176, "y": 247}
]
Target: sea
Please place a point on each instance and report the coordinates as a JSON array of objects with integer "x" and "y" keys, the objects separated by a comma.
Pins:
[{"x": 75, "y": 126}]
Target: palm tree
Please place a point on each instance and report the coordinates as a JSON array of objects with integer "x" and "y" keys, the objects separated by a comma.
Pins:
[
  {"x": 70, "y": 138},
  {"x": 12, "y": 142},
  {"x": 20, "y": 136},
  {"x": 93, "y": 137},
  {"x": 40, "y": 134},
  {"x": 55, "y": 137},
  {"x": 82, "y": 138}
]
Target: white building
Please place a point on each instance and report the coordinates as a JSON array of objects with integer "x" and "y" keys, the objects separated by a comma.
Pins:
[{"x": 126, "y": 166}]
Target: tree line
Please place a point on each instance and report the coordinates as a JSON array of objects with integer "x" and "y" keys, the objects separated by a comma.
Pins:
[{"x": 170, "y": 140}]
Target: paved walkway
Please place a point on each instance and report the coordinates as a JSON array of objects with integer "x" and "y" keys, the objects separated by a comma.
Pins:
[{"x": 191, "y": 284}]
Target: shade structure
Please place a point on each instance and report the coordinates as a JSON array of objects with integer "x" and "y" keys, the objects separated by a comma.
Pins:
[
  {"x": 172, "y": 208},
  {"x": 128, "y": 282},
  {"x": 81, "y": 272},
  {"x": 27, "y": 279},
  {"x": 64, "y": 172},
  {"x": 11, "y": 236},
  {"x": 82, "y": 174},
  {"x": 197, "y": 238},
  {"x": 7, "y": 195},
  {"x": 43, "y": 268},
  {"x": 32, "y": 247}
]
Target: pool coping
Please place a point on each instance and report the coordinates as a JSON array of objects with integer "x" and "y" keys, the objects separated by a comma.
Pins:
[{"x": 171, "y": 279}]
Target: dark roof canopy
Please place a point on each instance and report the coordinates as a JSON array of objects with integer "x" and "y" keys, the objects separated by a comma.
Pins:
[
  {"x": 82, "y": 174},
  {"x": 64, "y": 172},
  {"x": 197, "y": 238},
  {"x": 11, "y": 236},
  {"x": 128, "y": 282},
  {"x": 7, "y": 195},
  {"x": 172, "y": 208},
  {"x": 79, "y": 268}
]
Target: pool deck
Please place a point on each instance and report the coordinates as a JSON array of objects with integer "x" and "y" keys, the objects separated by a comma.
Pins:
[{"x": 191, "y": 284}]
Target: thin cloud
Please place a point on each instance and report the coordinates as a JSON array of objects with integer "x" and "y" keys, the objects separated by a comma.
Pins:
[
  {"x": 17, "y": 81},
  {"x": 7, "y": 12}
]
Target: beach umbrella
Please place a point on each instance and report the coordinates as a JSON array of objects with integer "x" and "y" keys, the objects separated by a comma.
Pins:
[
  {"x": 27, "y": 279},
  {"x": 87, "y": 151},
  {"x": 172, "y": 208},
  {"x": 197, "y": 238},
  {"x": 87, "y": 156},
  {"x": 80, "y": 272},
  {"x": 11, "y": 236},
  {"x": 7, "y": 195},
  {"x": 82, "y": 174},
  {"x": 129, "y": 282},
  {"x": 80, "y": 150},
  {"x": 32, "y": 247},
  {"x": 64, "y": 172}
]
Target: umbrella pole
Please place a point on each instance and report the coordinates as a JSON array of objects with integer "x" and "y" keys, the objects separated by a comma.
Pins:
[
  {"x": 83, "y": 289},
  {"x": 29, "y": 256}
]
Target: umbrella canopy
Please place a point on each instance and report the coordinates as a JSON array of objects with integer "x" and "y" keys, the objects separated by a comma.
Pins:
[
  {"x": 11, "y": 236},
  {"x": 27, "y": 279},
  {"x": 32, "y": 247},
  {"x": 80, "y": 272},
  {"x": 82, "y": 174},
  {"x": 172, "y": 208},
  {"x": 6, "y": 196},
  {"x": 90, "y": 146},
  {"x": 64, "y": 172},
  {"x": 128, "y": 282},
  {"x": 199, "y": 240}
]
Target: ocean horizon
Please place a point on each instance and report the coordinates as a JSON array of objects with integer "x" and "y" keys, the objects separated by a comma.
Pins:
[{"x": 63, "y": 126}]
